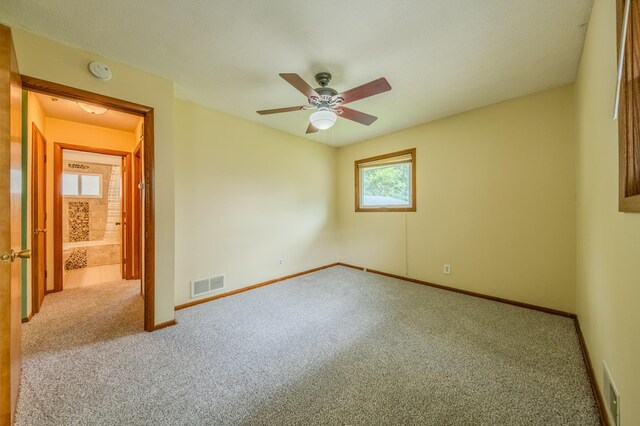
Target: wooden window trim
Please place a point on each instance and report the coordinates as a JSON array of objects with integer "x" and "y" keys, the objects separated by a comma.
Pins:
[
  {"x": 629, "y": 113},
  {"x": 411, "y": 152}
]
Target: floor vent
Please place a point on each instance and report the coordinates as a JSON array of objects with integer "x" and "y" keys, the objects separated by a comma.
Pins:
[
  {"x": 206, "y": 285},
  {"x": 611, "y": 397}
]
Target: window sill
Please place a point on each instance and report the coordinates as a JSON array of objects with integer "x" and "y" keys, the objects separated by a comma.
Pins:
[{"x": 386, "y": 209}]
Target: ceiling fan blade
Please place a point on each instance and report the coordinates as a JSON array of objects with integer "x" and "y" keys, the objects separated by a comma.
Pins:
[
  {"x": 311, "y": 129},
  {"x": 277, "y": 110},
  {"x": 357, "y": 116},
  {"x": 369, "y": 89},
  {"x": 296, "y": 81}
]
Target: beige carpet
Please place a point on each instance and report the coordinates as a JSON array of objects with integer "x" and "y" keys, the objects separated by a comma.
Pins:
[{"x": 338, "y": 346}]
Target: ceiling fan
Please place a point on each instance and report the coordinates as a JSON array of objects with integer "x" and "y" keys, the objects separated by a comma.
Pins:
[{"x": 329, "y": 103}]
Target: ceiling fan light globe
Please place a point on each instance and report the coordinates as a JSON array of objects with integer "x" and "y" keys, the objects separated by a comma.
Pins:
[{"x": 323, "y": 119}]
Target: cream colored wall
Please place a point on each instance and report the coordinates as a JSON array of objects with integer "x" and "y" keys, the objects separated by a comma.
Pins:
[
  {"x": 608, "y": 269},
  {"x": 35, "y": 116},
  {"x": 69, "y": 132},
  {"x": 42, "y": 58},
  {"x": 495, "y": 200},
  {"x": 247, "y": 195}
]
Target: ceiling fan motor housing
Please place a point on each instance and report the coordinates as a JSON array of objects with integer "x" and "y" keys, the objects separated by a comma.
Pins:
[{"x": 326, "y": 93}]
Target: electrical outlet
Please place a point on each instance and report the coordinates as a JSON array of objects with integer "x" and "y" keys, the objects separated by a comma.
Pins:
[
  {"x": 611, "y": 396},
  {"x": 280, "y": 261},
  {"x": 446, "y": 269}
]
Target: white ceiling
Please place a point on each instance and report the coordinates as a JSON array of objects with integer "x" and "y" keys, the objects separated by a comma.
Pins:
[
  {"x": 440, "y": 56},
  {"x": 65, "y": 109}
]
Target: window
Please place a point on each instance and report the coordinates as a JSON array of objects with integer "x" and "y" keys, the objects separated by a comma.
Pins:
[
  {"x": 386, "y": 183},
  {"x": 90, "y": 185},
  {"x": 629, "y": 110},
  {"x": 70, "y": 184},
  {"x": 81, "y": 185}
]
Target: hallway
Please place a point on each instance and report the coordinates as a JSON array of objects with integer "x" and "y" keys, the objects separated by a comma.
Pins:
[
  {"x": 82, "y": 316},
  {"x": 72, "y": 331}
]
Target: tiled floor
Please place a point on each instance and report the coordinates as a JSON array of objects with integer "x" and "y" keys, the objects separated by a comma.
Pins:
[{"x": 88, "y": 276}]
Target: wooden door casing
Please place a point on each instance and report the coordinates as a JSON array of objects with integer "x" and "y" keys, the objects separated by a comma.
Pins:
[
  {"x": 148, "y": 193},
  {"x": 58, "y": 148}
]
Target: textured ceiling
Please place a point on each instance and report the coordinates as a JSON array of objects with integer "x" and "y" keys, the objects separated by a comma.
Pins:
[
  {"x": 65, "y": 109},
  {"x": 440, "y": 56}
]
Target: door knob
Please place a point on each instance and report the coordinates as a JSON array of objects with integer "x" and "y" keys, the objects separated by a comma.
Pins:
[
  {"x": 38, "y": 230},
  {"x": 12, "y": 255}
]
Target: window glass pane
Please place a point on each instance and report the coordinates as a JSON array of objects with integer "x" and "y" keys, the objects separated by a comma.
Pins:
[
  {"x": 69, "y": 184},
  {"x": 90, "y": 185},
  {"x": 386, "y": 186}
]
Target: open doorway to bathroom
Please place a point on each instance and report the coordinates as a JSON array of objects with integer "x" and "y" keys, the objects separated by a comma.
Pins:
[{"x": 93, "y": 218}]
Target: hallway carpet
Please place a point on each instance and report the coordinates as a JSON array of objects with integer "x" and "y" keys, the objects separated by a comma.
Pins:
[{"x": 338, "y": 346}]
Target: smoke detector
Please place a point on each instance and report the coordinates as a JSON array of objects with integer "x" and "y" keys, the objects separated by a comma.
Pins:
[{"x": 100, "y": 71}]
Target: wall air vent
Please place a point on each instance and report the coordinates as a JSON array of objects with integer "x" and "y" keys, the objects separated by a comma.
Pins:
[
  {"x": 611, "y": 397},
  {"x": 206, "y": 286}
]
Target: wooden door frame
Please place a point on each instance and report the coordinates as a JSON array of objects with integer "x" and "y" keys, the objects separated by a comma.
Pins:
[
  {"x": 59, "y": 90},
  {"x": 127, "y": 231},
  {"x": 35, "y": 192}
]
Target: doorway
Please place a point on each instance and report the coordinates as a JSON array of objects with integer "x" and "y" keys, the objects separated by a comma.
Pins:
[
  {"x": 92, "y": 217},
  {"x": 126, "y": 246}
]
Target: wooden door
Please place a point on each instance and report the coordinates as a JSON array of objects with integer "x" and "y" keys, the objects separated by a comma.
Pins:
[
  {"x": 39, "y": 237},
  {"x": 123, "y": 222},
  {"x": 127, "y": 228},
  {"x": 10, "y": 228},
  {"x": 137, "y": 214}
]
